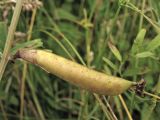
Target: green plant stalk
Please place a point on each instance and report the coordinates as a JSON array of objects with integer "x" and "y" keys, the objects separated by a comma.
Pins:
[
  {"x": 141, "y": 17},
  {"x": 22, "y": 90},
  {"x": 118, "y": 107},
  {"x": 102, "y": 106},
  {"x": 114, "y": 117},
  {"x": 134, "y": 79},
  {"x": 88, "y": 46},
  {"x": 84, "y": 95},
  {"x": 25, "y": 65},
  {"x": 35, "y": 99},
  {"x": 10, "y": 37}
]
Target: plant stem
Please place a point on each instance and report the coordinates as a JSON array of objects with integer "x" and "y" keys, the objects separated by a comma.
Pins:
[
  {"x": 25, "y": 65},
  {"x": 125, "y": 107},
  {"x": 141, "y": 17},
  {"x": 114, "y": 117},
  {"x": 22, "y": 90},
  {"x": 152, "y": 95},
  {"x": 10, "y": 37},
  {"x": 104, "y": 109}
]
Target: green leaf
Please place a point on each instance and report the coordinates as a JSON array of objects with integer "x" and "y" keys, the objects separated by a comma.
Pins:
[
  {"x": 107, "y": 70},
  {"x": 130, "y": 71},
  {"x": 115, "y": 51},
  {"x": 138, "y": 41},
  {"x": 113, "y": 66},
  {"x": 29, "y": 44},
  {"x": 145, "y": 54},
  {"x": 155, "y": 43}
]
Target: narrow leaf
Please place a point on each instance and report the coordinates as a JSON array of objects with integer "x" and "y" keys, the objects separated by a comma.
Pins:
[
  {"x": 138, "y": 41},
  {"x": 155, "y": 43},
  {"x": 113, "y": 66},
  {"x": 144, "y": 54},
  {"x": 115, "y": 51}
]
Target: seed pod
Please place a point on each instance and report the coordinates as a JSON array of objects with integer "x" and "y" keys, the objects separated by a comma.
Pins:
[{"x": 76, "y": 74}]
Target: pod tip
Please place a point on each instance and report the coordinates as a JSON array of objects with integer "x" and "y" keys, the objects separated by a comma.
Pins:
[
  {"x": 26, "y": 54},
  {"x": 139, "y": 87}
]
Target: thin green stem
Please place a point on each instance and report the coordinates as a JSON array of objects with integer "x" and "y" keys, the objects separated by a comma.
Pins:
[
  {"x": 132, "y": 7},
  {"x": 88, "y": 46},
  {"x": 22, "y": 90},
  {"x": 25, "y": 65},
  {"x": 35, "y": 99},
  {"x": 141, "y": 18},
  {"x": 59, "y": 43},
  {"x": 112, "y": 114},
  {"x": 102, "y": 106}
]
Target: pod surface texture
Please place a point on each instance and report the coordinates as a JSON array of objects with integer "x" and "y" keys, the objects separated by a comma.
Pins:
[{"x": 76, "y": 74}]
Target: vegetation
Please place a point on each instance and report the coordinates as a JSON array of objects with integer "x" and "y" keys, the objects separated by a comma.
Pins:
[{"x": 120, "y": 38}]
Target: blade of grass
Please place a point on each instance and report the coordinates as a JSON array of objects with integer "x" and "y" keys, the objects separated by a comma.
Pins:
[{"x": 59, "y": 43}]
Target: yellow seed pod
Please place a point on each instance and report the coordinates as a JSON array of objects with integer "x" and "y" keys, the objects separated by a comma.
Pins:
[{"x": 76, "y": 74}]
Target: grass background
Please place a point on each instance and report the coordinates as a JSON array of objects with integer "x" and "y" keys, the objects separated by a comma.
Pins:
[{"x": 119, "y": 38}]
